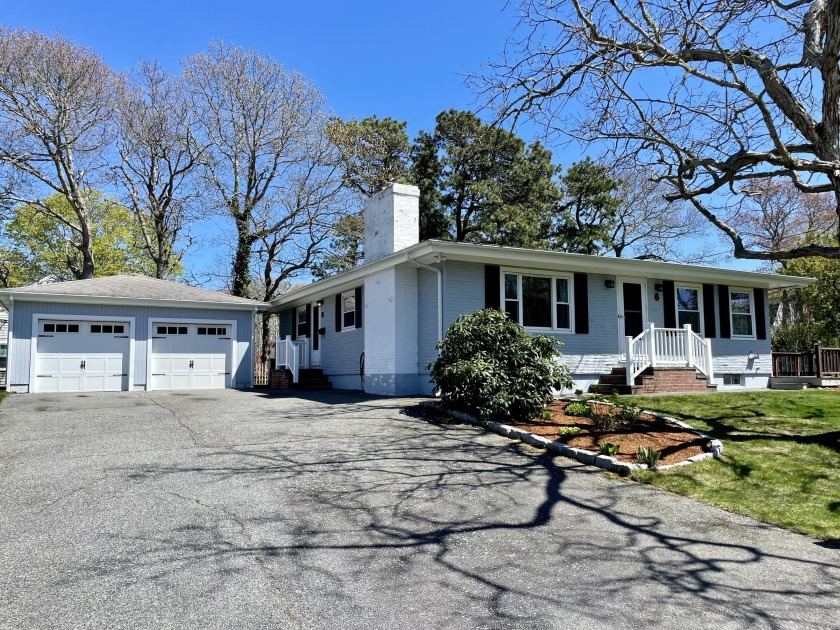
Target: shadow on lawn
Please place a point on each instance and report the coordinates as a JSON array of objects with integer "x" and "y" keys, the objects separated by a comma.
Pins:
[
  {"x": 730, "y": 427},
  {"x": 492, "y": 526}
]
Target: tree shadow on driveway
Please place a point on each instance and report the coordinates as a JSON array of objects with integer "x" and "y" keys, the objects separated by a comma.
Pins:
[{"x": 419, "y": 517}]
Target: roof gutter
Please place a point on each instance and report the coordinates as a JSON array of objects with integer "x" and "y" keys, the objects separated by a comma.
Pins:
[{"x": 26, "y": 296}]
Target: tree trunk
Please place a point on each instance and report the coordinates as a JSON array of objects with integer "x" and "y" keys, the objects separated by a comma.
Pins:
[
  {"x": 266, "y": 341},
  {"x": 241, "y": 260}
]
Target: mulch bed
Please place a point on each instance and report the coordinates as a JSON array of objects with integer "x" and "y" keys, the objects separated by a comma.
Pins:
[{"x": 675, "y": 443}]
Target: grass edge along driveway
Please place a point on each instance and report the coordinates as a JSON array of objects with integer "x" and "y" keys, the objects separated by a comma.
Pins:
[{"x": 781, "y": 462}]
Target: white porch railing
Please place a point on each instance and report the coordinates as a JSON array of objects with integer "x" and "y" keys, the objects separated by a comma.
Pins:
[
  {"x": 292, "y": 354},
  {"x": 667, "y": 347}
]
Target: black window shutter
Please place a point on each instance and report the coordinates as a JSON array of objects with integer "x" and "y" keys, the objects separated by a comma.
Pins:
[
  {"x": 723, "y": 309},
  {"x": 709, "y": 327},
  {"x": 581, "y": 304},
  {"x": 760, "y": 314},
  {"x": 339, "y": 313},
  {"x": 294, "y": 323},
  {"x": 492, "y": 287},
  {"x": 308, "y": 320},
  {"x": 670, "y": 305},
  {"x": 359, "y": 306}
]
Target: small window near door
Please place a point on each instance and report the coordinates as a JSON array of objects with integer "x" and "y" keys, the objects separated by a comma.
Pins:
[
  {"x": 4, "y": 355},
  {"x": 348, "y": 310},
  {"x": 689, "y": 307},
  {"x": 302, "y": 324},
  {"x": 741, "y": 308}
]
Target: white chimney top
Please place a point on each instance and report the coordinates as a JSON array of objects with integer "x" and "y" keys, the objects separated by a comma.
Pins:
[{"x": 392, "y": 221}]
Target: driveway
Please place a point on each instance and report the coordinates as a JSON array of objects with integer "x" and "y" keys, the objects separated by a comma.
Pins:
[{"x": 242, "y": 510}]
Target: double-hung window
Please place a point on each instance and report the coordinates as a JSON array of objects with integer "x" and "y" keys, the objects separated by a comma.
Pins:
[
  {"x": 742, "y": 312},
  {"x": 348, "y": 310},
  {"x": 301, "y": 322},
  {"x": 689, "y": 306},
  {"x": 538, "y": 301},
  {"x": 4, "y": 355}
]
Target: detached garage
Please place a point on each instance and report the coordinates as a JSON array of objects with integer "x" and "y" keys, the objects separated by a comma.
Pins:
[{"x": 127, "y": 333}]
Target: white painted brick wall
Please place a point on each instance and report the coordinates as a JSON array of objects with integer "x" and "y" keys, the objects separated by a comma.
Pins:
[{"x": 392, "y": 221}]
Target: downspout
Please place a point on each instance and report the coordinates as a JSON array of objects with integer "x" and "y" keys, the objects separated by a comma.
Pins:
[
  {"x": 10, "y": 340},
  {"x": 253, "y": 346},
  {"x": 439, "y": 291}
]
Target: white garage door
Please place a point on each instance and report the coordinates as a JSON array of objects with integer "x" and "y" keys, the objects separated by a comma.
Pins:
[
  {"x": 81, "y": 356},
  {"x": 191, "y": 356}
]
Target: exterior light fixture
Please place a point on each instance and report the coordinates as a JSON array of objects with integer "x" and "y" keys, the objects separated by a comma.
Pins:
[
  {"x": 609, "y": 283},
  {"x": 319, "y": 303}
]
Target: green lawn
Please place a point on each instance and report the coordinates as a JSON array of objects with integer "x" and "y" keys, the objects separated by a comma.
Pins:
[
  {"x": 2, "y": 395},
  {"x": 781, "y": 460}
]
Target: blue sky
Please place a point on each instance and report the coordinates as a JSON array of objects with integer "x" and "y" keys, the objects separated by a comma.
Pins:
[{"x": 404, "y": 60}]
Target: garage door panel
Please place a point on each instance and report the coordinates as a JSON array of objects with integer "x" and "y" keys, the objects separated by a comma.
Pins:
[
  {"x": 60, "y": 358},
  {"x": 189, "y": 361}
]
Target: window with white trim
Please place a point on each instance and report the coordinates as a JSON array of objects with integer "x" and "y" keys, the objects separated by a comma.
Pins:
[
  {"x": 689, "y": 307},
  {"x": 4, "y": 355},
  {"x": 302, "y": 324},
  {"x": 732, "y": 379},
  {"x": 538, "y": 301},
  {"x": 742, "y": 312},
  {"x": 348, "y": 310}
]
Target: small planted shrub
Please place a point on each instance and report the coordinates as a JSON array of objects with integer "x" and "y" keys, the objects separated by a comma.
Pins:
[
  {"x": 629, "y": 415},
  {"x": 578, "y": 392},
  {"x": 608, "y": 448},
  {"x": 606, "y": 421},
  {"x": 580, "y": 409},
  {"x": 647, "y": 455},
  {"x": 568, "y": 430},
  {"x": 489, "y": 366}
]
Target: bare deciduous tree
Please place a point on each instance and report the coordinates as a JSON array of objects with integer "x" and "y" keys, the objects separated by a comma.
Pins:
[
  {"x": 56, "y": 125},
  {"x": 648, "y": 226},
  {"x": 775, "y": 216},
  {"x": 264, "y": 129},
  {"x": 712, "y": 94},
  {"x": 158, "y": 159}
]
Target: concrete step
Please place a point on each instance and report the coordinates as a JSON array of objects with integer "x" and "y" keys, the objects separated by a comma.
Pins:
[{"x": 788, "y": 386}]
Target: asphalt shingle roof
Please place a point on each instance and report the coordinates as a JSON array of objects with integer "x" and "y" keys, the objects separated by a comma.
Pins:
[{"x": 133, "y": 287}]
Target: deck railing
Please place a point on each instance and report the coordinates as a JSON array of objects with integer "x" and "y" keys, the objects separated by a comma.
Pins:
[
  {"x": 667, "y": 347},
  {"x": 818, "y": 362}
]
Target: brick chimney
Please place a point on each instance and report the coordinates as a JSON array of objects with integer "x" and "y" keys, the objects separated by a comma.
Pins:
[{"x": 392, "y": 221}]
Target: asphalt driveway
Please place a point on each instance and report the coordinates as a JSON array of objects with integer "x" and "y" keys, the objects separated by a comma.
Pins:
[{"x": 240, "y": 510}]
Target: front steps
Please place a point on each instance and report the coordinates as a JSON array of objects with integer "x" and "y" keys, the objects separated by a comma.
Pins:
[
  {"x": 312, "y": 379},
  {"x": 654, "y": 381}
]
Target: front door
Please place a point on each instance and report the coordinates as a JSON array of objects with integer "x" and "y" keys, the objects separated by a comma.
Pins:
[
  {"x": 632, "y": 309},
  {"x": 316, "y": 336}
]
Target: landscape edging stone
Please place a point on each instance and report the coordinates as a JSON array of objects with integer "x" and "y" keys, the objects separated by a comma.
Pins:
[{"x": 585, "y": 457}]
